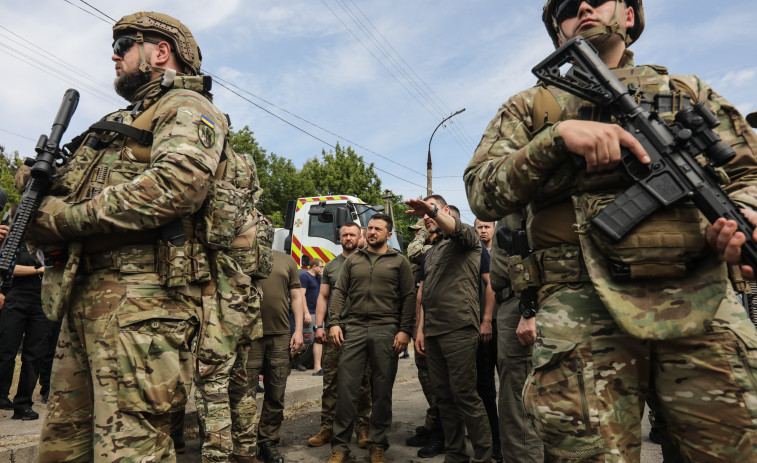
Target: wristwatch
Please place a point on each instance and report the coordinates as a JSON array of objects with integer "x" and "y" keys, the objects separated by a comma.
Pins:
[
  {"x": 433, "y": 213},
  {"x": 527, "y": 310},
  {"x": 318, "y": 327}
]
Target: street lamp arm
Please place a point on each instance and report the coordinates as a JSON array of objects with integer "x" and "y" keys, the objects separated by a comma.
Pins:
[{"x": 428, "y": 162}]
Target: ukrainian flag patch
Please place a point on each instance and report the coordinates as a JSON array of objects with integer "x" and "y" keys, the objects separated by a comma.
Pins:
[
  {"x": 208, "y": 122},
  {"x": 206, "y": 131}
]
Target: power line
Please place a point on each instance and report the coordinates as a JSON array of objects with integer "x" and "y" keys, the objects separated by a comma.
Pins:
[
  {"x": 284, "y": 120},
  {"x": 18, "y": 135},
  {"x": 55, "y": 72},
  {"x": 310, "y": 134},
  {"x": 98, "y": 10},
  {"x": 88, "y": 12},
  {"x": 410, "y": 68},
  {"x": 392, "y": 62},
  {"x": 314, "y": 124}
]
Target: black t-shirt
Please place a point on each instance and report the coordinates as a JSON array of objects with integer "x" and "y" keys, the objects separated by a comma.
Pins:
[{"x": 29, "y": 283}]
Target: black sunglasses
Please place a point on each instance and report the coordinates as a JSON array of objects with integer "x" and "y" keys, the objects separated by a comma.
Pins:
[
  {"x": 569, "y": 8},
  {"x": 122, "y": 44}
]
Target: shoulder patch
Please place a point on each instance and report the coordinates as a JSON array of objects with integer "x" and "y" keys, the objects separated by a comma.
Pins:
[{"x": 206, "y": 131}]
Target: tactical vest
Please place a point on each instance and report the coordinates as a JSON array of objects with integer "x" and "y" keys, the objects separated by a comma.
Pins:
[
  {"x": 117, "y": 149},
  {"x": 669, "y": 242}
]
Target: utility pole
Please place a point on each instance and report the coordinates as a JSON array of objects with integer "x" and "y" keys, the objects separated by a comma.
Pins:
[
  {"x": 429, "y": 189},
  {"x": 388, "y": 209}
]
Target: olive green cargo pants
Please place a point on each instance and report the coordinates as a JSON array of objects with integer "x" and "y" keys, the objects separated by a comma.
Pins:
[{"x": 451, "y": 361}]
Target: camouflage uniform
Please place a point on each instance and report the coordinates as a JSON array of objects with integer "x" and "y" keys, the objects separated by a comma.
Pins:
[
  {"x": 132, "y": 300},
  {"x": 123, "y": 361},
  {"x": 599, "y": 346}
]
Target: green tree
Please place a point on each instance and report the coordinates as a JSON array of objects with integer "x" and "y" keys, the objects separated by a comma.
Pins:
[
  {"x": 9, "y": 164},
  {"x": 278, "y": 176},
  {"x": 343, "y": 172}
]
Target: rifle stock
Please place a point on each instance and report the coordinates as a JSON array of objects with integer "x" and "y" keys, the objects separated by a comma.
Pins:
[{"x": 674, "y": 173}]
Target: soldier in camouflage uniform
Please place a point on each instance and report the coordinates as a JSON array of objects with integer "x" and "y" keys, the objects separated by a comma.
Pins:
[
  {"x": 601, "y": 341},
  {"x": 128, "y": 208},
  {"x": 348, "y": 237}
]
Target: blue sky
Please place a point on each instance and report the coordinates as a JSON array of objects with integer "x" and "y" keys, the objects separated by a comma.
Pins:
[{"x": 300, "y": 56}]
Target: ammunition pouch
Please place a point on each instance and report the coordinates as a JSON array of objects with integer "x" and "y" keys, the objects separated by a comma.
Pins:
[
  {"x": 252, "y": 249},
  {"x": 668, "y": 244},
  {"x": 175, "y": 265},
  {"x": 562, "y": 264}
]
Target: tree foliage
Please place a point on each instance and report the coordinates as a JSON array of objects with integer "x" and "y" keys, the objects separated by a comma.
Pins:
[
  {"x": 337, "y": 172},
  {"x": 343, "y": 172},
  {"x": 9, "y": 164}
]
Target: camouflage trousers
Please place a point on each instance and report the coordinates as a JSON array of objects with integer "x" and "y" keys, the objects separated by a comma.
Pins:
[
  {"x": 122, "y": 364},
  {"x": 231, "y": 318},
  {"x": 330, "y": 365},
  {"x": 587, "y": 391},
  {"x": 226, "y": 410}
]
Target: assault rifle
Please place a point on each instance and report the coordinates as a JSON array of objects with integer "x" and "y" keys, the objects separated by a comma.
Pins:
[
  {"x": 49, "y": 156},
  {"x": 673, "y": 173},
  {"x": 515, "y": 243}
]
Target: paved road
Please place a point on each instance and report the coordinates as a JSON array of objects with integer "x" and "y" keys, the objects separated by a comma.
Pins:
[{"x": 408, "y": 410}]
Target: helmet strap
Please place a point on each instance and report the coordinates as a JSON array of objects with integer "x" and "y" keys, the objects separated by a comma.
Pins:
[
  {"x": 598, "y": 35},
  {"x": 144, "y": 66}
]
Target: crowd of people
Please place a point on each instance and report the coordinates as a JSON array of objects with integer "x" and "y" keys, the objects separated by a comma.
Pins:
[{"x": 168, "y": 281}]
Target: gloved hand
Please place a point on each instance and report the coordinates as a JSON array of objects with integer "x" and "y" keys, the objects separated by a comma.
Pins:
[{"x": 50, "y": 226}]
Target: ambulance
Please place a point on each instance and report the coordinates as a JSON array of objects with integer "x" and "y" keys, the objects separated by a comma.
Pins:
[{"x": 311, "y": 226}]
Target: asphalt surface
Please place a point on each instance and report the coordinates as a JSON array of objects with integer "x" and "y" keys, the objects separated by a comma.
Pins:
[{"x": 18, "y": 439}]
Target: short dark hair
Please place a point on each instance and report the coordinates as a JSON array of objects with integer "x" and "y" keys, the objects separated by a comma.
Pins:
[
  {"x": 385, "y": 218},
  {"x": 455, "y": 210},
  {"x": 349, "y": 224},
  {"x": 438, "y": 198}
]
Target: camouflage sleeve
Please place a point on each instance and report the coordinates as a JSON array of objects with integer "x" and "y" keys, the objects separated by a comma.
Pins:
[
  {"x": 416, "y": 249},
  {"x": 185, "y": 154},
  {"x": 734, "y": 131},
  {"x": 511, "y": 163}
]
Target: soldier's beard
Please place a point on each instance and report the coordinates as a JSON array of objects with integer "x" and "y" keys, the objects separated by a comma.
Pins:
[
  {"x": 128, "y": 83},
  {"x": 350, "y": 247}
]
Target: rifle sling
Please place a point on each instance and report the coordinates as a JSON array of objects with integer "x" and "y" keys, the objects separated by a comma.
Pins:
[{"x": 143, "y": 137}]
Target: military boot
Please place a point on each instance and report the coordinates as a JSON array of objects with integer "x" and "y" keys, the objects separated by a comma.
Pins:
[
  {"x": 322, "y": 438},
  {"x": 362, "y": 438},
  {"x": 339, "y": 457},
  {"x": 377, "y": 454},
  {"x": 268, "y": 453}
]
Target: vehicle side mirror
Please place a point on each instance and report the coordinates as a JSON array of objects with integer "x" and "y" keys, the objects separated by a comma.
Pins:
[{"x": 305, "y": 261}]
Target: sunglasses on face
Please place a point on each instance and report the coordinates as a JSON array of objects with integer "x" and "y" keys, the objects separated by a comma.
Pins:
[
  {"x": 122, "y": 44},
  {"x": 569, "y": 8}
]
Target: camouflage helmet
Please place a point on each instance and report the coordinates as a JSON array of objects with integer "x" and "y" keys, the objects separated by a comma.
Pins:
[
  {"x": 548, "y": 17},
  {"x": 184, "y": 44}
]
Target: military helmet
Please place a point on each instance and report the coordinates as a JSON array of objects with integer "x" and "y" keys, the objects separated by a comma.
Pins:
[
  {"x": 184, "y": 44},
  {"x": 548, "y": 17}
]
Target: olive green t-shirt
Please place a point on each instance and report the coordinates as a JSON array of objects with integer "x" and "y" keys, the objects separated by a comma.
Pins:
[{"x": 274, "y": 307}]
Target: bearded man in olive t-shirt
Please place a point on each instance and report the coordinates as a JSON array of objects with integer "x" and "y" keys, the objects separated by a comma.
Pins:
[{"x": 270, "y": 354}]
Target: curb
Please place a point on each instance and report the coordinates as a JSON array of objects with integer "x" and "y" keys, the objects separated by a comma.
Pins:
[{"x": 29, "y": 452}]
